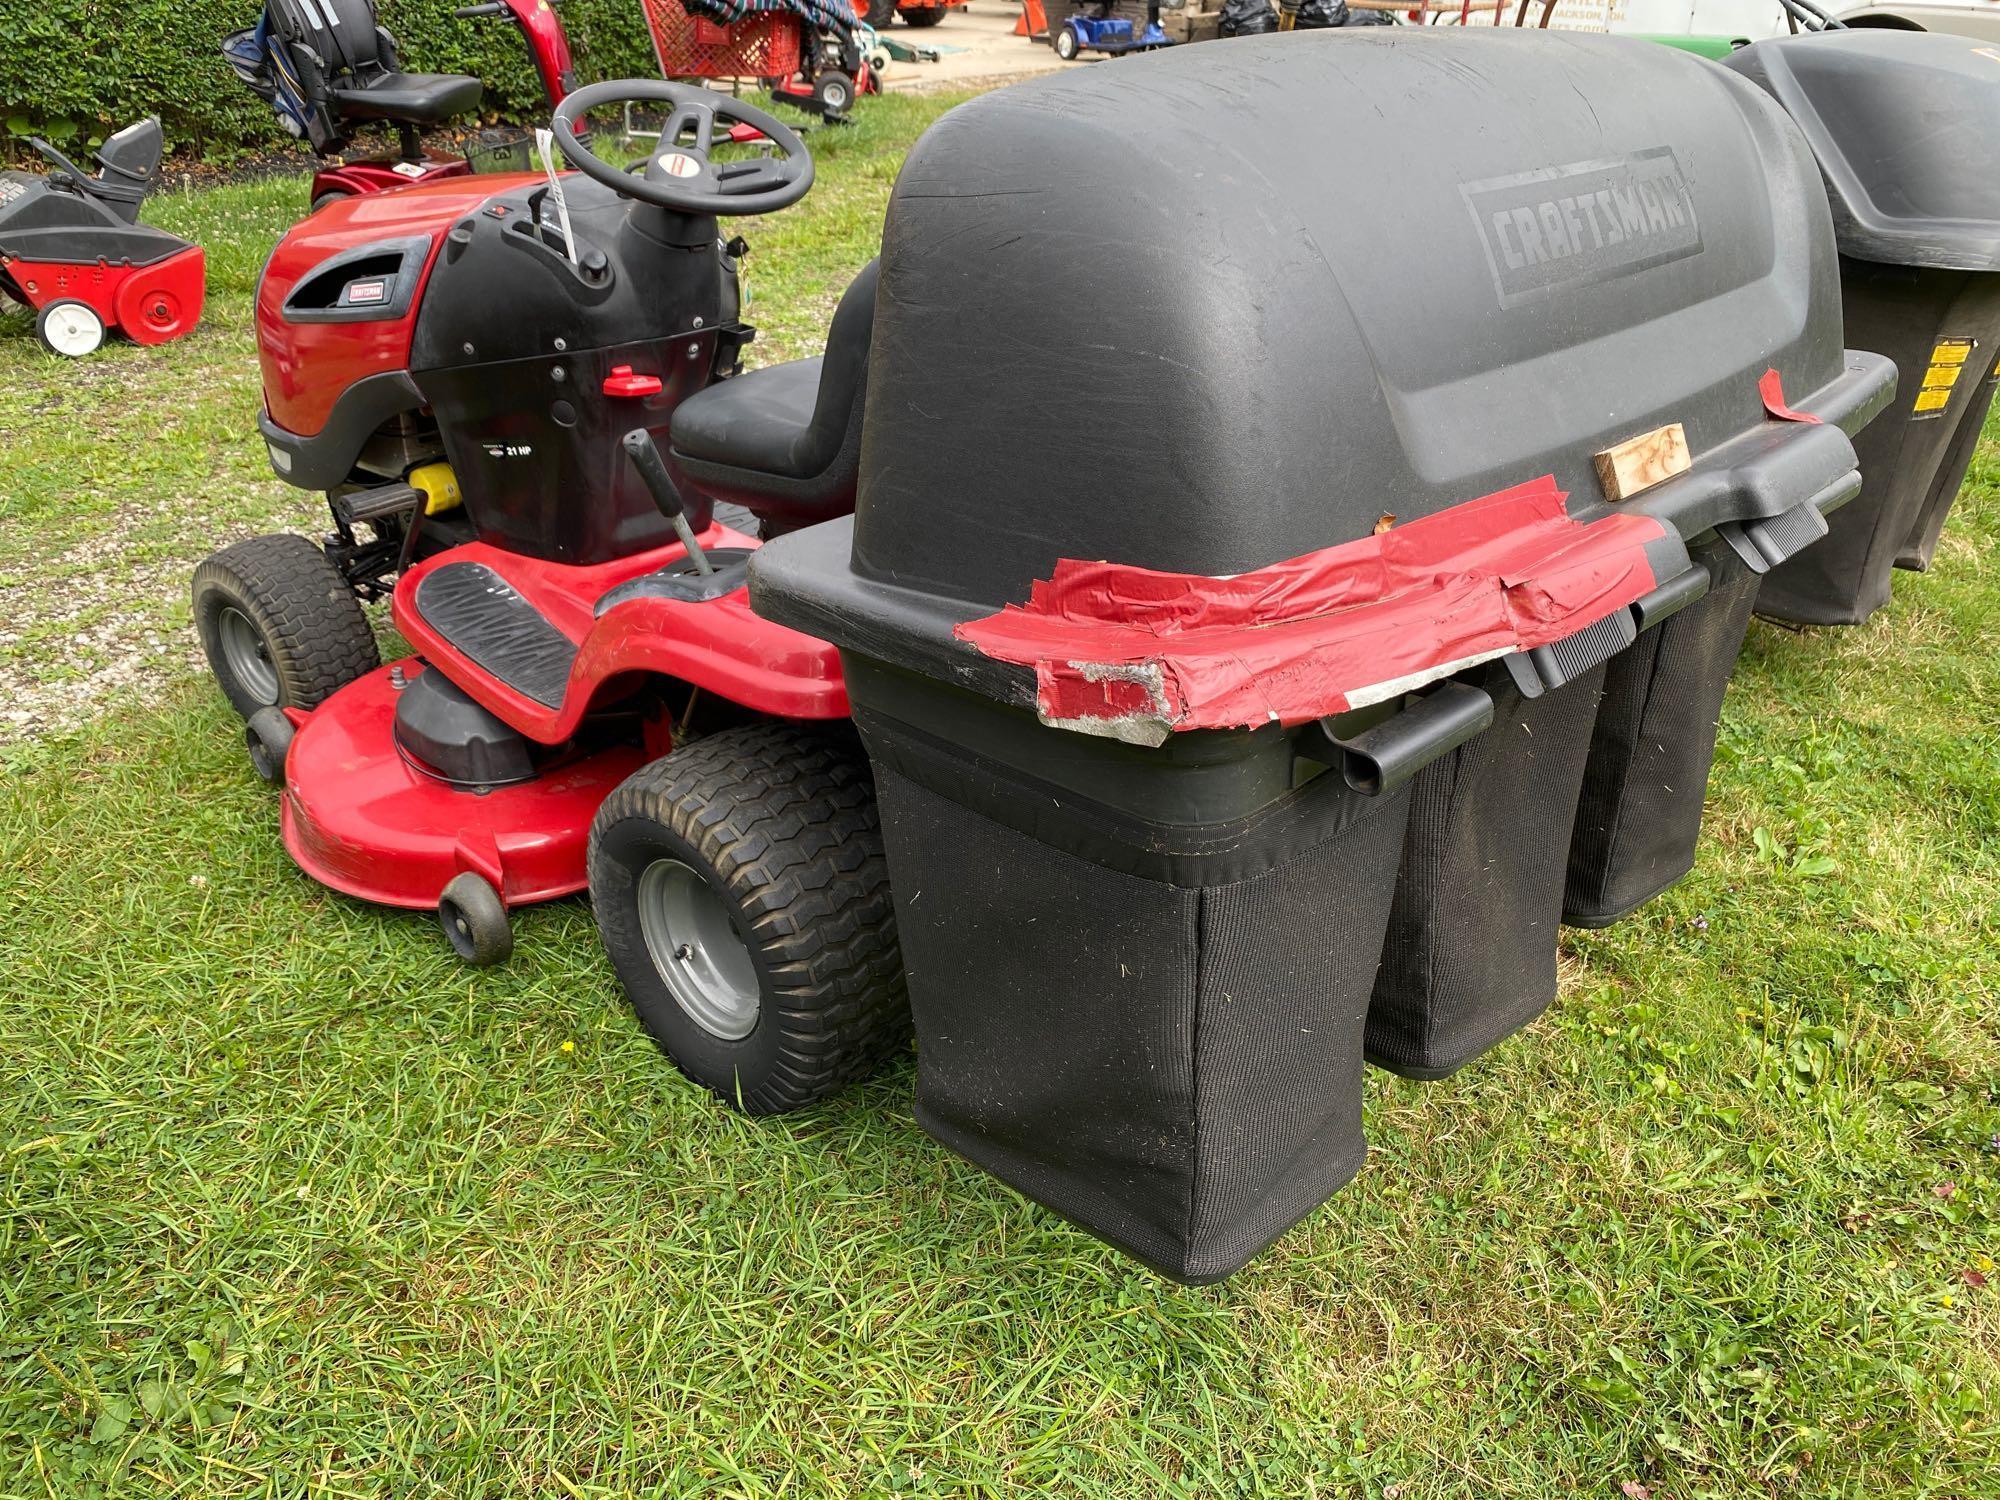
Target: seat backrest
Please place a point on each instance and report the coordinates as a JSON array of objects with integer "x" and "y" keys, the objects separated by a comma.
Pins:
[
  {"x": 843, "y": 373},
  {"x": 341, "y": 33}
]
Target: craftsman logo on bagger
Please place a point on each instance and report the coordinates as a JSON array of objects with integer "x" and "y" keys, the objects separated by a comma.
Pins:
[{"x": 1588, "y": 221}]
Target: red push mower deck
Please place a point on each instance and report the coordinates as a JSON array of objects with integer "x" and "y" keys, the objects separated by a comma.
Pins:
[
  {"x": 73, "y": 249},
  {"x": 591, "y": 703}
]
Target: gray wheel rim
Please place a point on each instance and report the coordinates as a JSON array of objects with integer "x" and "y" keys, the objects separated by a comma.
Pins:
[
  {"x": 243, "y": 649},
  {"x": 696, "y": 950}
]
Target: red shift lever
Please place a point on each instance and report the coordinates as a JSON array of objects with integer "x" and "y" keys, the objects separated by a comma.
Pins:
[{"x": 622, "y": 382}]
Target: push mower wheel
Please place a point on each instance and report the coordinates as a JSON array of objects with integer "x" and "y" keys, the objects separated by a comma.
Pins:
[
  {"x": 475, "y": 922},
  {"x": 742, "y": 895},
  {"x": 69, "y": 328},
  {"x": 921, "y": 16},
  {"x": 269, "y": 738},
  {"x": 835, "y": 93},
  {"x": 1064, "y": 41},
  {"x": 280, "y": 626}
]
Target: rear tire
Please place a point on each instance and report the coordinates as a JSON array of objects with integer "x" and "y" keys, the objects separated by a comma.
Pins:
[
  {"x": 279, "y": 625},
  {"x": 70, "y": 328},
  {"x": 330, "y": 197},
  {"x": 881, "y": 13},
  {"x": 743, "y": 897},
  {"x": 921, "y": 16}
]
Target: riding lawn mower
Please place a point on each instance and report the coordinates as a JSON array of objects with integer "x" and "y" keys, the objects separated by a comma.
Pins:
[
  {"x": 1212, "y": 758},
  {"x": 592, "y": 701}
]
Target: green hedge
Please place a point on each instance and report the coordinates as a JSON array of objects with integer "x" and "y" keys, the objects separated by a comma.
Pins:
[{"x": 76, "y": 69}]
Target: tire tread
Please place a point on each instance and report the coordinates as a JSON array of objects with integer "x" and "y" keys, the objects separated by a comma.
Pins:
[{"x": 786, "y": 814}]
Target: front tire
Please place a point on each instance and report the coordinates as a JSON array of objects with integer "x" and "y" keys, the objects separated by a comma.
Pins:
[
  {"x": 743, "y": 897},
  {"x": 279, "y": 625},
  {"x": 69, "y": 328},
  {"x": 1064, "y": 41}
]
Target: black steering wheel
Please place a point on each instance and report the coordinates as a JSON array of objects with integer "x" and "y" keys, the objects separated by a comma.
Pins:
[{"x": 681, "y": 177}]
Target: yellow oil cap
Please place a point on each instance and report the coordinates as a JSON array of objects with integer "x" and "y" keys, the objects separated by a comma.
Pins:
[{"x": 439, "y": 487}]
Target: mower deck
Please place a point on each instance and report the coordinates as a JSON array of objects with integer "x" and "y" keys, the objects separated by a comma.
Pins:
[
  {"x": 534, "y": 643},
  {"x": 360, "y": 817}
]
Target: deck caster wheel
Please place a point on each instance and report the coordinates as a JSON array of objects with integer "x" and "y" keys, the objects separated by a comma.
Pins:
[
  {"x": 69, "y": 328},
  {"x": 743, "y": 897},
  {"x": 475, "y": 921},
  {"x": 269, "y": 737},
  {"x": 280, "y": 626}
]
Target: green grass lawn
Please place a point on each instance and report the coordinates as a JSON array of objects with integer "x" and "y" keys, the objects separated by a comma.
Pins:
[{"x": 291, "y": 1203}]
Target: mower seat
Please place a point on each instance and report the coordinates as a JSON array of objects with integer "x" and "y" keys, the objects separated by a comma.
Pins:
[
  {"x": 784, "y": 442},
  {"x": 356, "y": 72},
  {"x": 421, "y": 98}
]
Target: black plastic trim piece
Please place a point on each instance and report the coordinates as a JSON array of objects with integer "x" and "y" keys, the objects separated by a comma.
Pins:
[
  {"x": 413, "y": 255},
  {"x": 327, "y": 457},
  {"x": 1382, "y": 758}
]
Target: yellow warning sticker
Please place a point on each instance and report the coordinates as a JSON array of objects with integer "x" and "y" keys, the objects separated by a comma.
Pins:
[{"x": 1948, "y": 359}]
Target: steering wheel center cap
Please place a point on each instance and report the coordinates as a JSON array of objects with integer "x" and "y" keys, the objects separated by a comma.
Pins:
[{"x": 679, "y": 164}]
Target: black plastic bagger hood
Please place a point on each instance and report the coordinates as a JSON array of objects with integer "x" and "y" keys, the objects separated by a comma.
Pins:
[
  {"x": 1902, "y": 123},
  {"x": 1125, "y": 315}
]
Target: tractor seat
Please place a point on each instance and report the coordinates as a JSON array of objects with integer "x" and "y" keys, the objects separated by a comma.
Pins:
[
  {"x": 785, "y": 441},
  {"x": 422, "y": 98}
]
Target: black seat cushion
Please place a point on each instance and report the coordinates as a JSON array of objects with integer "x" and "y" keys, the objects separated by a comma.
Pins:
[
  {"x": 423, "y": 97},
  {"x": 761, "y": 421},
  {"x": 785, "y": 441}
]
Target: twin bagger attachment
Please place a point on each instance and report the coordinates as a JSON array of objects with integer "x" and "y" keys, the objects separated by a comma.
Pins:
[{"x": 1272, "y": 717}]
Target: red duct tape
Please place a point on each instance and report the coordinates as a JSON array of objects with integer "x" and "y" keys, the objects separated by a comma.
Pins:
[
  {"x": 1772, "y": 389},
  {"x": 1138, "y": 654}
]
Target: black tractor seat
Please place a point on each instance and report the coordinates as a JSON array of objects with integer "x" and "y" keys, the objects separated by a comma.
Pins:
[
  {"x": 424, "y": 98},
  {"x": 784, "y": 442},
  {"x": 348, "y": 68}
]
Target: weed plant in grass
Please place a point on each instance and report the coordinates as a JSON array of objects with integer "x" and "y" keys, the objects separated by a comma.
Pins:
[{"x": 293, "y": 1204}]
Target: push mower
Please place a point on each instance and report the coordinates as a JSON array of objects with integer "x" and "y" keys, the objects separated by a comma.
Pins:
[
  {"x": 518, "y": 396},
  {"x": 327, "y": 67},
  {"x": 73, "y": 249}
]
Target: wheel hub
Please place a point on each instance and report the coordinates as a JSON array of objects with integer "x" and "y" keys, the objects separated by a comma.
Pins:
[
  {"x": 696, "y": 950},
  {"x": 248, "y": 657}
]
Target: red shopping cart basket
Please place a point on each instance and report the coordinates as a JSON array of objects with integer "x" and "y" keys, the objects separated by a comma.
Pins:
[{"x": 763, "y": 45}]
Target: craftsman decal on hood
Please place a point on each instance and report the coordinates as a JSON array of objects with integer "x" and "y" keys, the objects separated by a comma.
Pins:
[{"x": 1589, "y": 221}]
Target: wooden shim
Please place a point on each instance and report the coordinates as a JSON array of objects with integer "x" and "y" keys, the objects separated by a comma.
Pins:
[{"x": 1641, "y": 462}]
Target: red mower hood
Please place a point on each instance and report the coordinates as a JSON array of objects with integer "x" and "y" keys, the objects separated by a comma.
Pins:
[{"x": 307, "y": 364}]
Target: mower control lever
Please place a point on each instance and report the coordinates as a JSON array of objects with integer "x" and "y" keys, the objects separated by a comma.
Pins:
[
  {"x": 472, "y": 12},
  {"x": 645, "y": 456}
]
